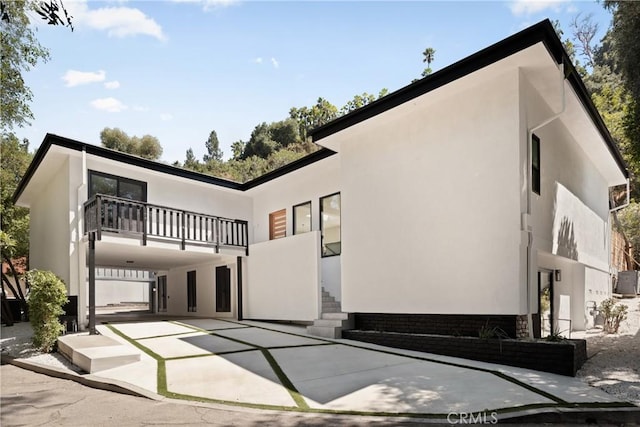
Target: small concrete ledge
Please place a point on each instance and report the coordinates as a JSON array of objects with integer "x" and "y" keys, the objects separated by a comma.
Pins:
[{"x": 94, "y": 353}]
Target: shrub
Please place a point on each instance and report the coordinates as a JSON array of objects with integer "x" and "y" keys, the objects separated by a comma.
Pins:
[
  {"x": 47, "y": 296},
  {"x": 613, "y": 315}
]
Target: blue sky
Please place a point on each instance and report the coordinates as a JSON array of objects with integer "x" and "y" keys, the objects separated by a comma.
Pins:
[{"x": 179, "y": 69}]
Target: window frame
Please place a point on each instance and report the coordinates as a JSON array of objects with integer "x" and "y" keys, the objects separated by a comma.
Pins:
[
  {"x": 293, "y": 210},
  {"x": 322, "y": 252},
  {"x": 119, "y": 180},
  {"x": 536, "y": 169}
]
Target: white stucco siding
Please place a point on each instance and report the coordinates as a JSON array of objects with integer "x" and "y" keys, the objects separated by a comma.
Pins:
[
  {"x": 430, "y": 204},
  {"x": 177, "y": 302},
  {"x": 310, "y": 183},
  {"x": 570, "y": 217},
  {"x": 283, "y": 279},
  {"x": 49, "y": 230}
]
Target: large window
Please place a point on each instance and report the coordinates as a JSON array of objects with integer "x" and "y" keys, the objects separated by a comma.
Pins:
[
  {"x": 191, "y": 291},
  {"x": 112, "y": 185},
  {"x": 330, "y": 225},
  {"x": 302, "y": 218},
  {"x": 278, "y": 224},
  {"x": 535, "y": 164}
]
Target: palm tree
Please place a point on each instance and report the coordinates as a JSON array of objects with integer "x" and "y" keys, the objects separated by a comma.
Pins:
[{"x": 429, "y": 55}]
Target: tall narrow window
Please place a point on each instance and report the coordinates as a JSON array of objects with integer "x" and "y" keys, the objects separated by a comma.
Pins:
[
  {"x": 191, "y": 291},
  {"x": 330, "y": 225},
  {"x": 302, "y": 218},
  {"x": 278, "y": 224},
  {"x": 535, "y": 164}
]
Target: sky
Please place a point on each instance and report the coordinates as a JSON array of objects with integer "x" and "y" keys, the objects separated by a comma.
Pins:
[{"x": 178, "y": 69}]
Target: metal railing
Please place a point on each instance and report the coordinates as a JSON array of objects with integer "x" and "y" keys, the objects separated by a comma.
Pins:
[{"x": 117, "y": 215}]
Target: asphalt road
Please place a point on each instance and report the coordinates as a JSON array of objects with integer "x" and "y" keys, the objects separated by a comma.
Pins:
[{"x": 31, "y": 399}]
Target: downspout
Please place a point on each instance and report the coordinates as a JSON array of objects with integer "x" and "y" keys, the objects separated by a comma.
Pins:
[
  {"x": 80, "y": 194},
  {"x": 526, "y": 221}
]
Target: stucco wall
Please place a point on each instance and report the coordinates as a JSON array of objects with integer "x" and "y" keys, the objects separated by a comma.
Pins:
[
  {"x": 431, "y": 204},
  {"x": 307, "y": 184},
  {"x": 205, "y": 290},
  {"x": 283, "y": 279},
  {"x": 49, "y": 232}
]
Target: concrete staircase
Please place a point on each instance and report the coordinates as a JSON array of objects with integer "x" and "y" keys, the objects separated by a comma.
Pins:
[{"x": 332, "y": 320}]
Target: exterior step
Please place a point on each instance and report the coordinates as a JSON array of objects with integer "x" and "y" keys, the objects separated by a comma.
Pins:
[
  {"x": 325, "y": 331},
  {"x": 337, "y": 316},
  {"x": 331, "y": 307},
  {"x": 328, "y": 299},
  {"x": 339, "y": 323}
]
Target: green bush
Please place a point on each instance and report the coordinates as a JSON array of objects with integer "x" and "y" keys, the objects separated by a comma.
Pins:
[
  {"x": 613, "y": 315},
  {"x": 47, "y": 296}
]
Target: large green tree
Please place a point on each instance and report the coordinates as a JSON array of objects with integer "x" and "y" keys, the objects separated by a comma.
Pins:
[
  {"x": 147, "y": 146},
  {"x": 213, "y": 148},
  {"x": 14, "y": 220},
  {"x": 21, "y": 51}
]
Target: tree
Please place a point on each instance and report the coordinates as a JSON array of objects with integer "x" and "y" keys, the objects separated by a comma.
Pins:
[
  {"x": 191, "y": 162},
  {"x": 309, "y": 118},
  {"x": 429, "y": 56},
  {"x": 584, "y": 30},
  {"x": 260, "y": 144},
  {"x": 359, "y": 101},
  {"x": 237, "y": 148},
  {"x": 285, "y": 132},
  {"x": 21, "y": 51},
  {"x": 147, "y": 147},
  {"x": 14, "y": 220},
  {"x": 213, "y": 148},
  {"x": 624, "y": 32}
]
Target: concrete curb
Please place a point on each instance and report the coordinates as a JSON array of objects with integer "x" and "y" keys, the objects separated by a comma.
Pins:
[{"x": 88, "y": 380}]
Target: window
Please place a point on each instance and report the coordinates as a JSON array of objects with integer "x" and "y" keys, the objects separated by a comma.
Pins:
[
  {"x": 330, "y": 225},
  {"x": 111, "y": 185},
  {"x": 191, "y": 291},
  {"x": 278, "y": 224},
  {"x": 302, "y": 218},
  {"x": 535, "y": 164}
]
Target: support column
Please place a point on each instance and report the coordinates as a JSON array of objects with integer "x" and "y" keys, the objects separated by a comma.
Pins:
[
  {"x": 239, "y": 270},
  {"x": 92, "y": 283}
]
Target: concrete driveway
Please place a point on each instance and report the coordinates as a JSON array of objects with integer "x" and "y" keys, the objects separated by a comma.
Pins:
[{"x": 273, "y": 366}]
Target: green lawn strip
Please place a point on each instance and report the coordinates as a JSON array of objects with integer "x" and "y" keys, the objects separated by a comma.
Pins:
[
  {"x": 163, "y": 336},
  {"x": 161, "y": 373},
  {"x": 297, "y": 397},
  {"x": 427, "y": 359},
  {"x": 284, "y": 380},
  {"x": 222, "y": 353}
]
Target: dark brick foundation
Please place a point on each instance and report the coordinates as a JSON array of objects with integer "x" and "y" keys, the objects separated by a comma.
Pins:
[
  {"x": 564, "y": 357},
  {"x": 437, "y": 324}
]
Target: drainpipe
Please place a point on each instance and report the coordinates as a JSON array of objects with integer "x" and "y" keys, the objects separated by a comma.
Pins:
[
  {"x": 80, "y": 194},
  {"x": 526, "y": 221}
]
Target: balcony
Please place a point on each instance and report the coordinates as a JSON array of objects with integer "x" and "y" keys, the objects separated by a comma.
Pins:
[{"x": 153, "y": 222}]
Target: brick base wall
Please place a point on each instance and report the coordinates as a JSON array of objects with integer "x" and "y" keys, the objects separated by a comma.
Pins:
[
  {"x": 437, "y": 324},
  {"x": 564, "y": 357}
]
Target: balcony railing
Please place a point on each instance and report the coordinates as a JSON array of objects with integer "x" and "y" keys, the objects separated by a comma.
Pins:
[{"x": 128, "y": 217}]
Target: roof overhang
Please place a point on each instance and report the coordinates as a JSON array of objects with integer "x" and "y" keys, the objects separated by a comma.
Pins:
[{"x": 55, "y": 150}]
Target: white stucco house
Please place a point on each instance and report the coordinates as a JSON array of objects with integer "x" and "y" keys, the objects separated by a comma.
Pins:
[{"x": 479, "y": 192}]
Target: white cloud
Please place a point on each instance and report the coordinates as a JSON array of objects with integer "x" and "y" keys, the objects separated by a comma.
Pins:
[
  {"x": 166, "y": 117},
  {"x": 110, "y": 105},
  {"x": 275, "y": 63},
  {"x": 140, "y": 108},
  {"x": 210, "y": 4},
  {"x": 112, "y": 84},
  {"x": 258, "y": 60},
  {"x": 76, "y": 78},
  {"x": 531, "y": 7},
  {"x": 117, "y": 21}
]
